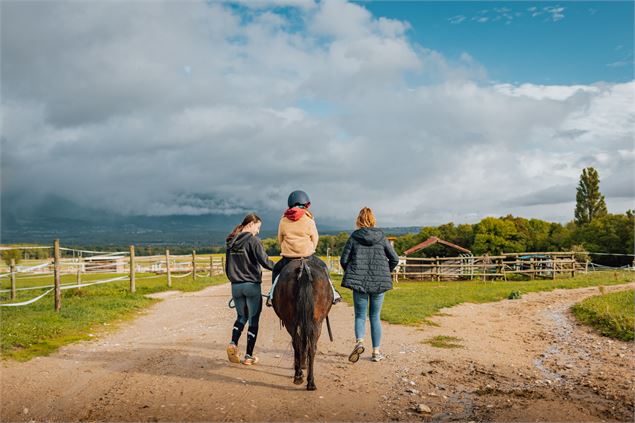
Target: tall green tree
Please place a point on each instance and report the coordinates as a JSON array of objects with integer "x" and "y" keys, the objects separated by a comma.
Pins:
[
  {"x": 589, "y": 201},
  {"x": 7, "y": 255},
  {"x": 494, "y": 235}
]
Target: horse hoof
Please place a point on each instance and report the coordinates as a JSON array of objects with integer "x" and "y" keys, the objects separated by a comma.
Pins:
[
  {"x": 311, "y": 387},
  {"x": 298, "y": 380}
]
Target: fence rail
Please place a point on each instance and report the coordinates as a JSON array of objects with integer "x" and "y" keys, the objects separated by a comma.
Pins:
[
  {"x": 116, "y": 263},
  {"x": 545, "y": 265}
]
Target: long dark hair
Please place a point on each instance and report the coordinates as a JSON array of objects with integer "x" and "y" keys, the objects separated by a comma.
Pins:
[{"x": 250, "y": 218}]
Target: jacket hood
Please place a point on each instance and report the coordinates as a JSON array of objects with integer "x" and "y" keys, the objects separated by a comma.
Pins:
[
  {"x": 237, "y": 242},
  {"x": 296, "y": 213},
  {"x": 368, "y": 236}
]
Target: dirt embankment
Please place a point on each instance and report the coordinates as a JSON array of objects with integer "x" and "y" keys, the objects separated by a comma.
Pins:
[{"x": 521, "y": 360}]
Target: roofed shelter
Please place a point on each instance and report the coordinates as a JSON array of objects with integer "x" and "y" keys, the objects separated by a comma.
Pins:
[
  {"x": 434, "y": 240},
  {"x": 429, "y": 268}
]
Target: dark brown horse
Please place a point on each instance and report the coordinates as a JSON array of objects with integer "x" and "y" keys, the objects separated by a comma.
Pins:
[{"x": 302, "y": 300}]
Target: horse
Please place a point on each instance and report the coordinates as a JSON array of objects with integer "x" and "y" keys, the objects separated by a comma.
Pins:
[{"x": 302, "y": 300}]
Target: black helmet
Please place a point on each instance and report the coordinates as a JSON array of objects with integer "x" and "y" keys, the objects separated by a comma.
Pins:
[{"x": 298, "y": 198}]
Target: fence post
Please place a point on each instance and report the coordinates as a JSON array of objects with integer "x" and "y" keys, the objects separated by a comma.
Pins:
[
  {"x": 532, "y": 268},
  {"x": 211, "y": 266},
  {"x": 553, "y": 267},
  {"x": 13, "y": 279},
  {"x": 438, "y": 269},
  {"x": 57, "y": 276},
  {"x": 79, "y": 272},
  {"x": 167, "y": 267},
  {"x": 193, "y": 264},
  {"x": 573, "y": 263},
  {"x": 133, "y": 288}
]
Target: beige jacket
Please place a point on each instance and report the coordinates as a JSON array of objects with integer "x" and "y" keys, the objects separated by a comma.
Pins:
[{"x": 297, "y": 238}]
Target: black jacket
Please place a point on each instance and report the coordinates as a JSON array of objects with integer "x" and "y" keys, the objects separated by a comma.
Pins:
[
  {"x": 245, "y": 254},
  {"x": 367, "y": 260}
]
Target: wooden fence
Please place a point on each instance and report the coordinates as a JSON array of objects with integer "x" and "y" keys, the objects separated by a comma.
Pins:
[{"x": 544, "y": 265}]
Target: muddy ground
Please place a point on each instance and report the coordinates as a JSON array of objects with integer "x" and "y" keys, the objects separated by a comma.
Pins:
[{"x": 519, "y": 360}]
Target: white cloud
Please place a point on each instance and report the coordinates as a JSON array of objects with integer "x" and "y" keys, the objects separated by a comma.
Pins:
[
  {"x": 264, "y": 4},
  {"x": 221, "y": 114},
  {"x": 548, "y": 92},
  {"x": 556, "y": 12},
  {"x": 457, "y": 19}
]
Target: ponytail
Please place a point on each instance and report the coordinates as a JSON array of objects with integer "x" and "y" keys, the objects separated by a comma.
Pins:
[
  {"x": 235, "y": 232},
  {"x": 250, "y": 218}
]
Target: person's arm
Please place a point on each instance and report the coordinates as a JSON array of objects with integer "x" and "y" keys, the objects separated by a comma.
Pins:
[
  {"x": 391, "y": 254},
  {"x": 313, "y": 234},
  {"x": 260, "y": 254},
  {"x": 280, "y": 233},
  {"x": 346, "y": 253}
]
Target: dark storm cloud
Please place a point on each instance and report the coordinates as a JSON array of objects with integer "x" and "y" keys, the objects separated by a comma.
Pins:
[{"x": 163, "y": 108}]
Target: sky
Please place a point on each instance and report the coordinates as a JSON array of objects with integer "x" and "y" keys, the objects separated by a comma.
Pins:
[{"x": 427, "y": 112}]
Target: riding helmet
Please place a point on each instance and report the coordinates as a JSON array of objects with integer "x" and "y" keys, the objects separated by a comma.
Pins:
[{"x": 298, "y": 198}]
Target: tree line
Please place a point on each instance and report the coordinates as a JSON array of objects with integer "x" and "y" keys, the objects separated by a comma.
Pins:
[{"x": 593, "y": 229}]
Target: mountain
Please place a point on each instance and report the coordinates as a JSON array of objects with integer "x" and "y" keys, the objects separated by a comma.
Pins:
[{"x": 56, "y": 217}]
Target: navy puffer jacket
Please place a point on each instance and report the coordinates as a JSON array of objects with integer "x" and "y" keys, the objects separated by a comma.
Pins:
[{"x": 367, "y": 260}]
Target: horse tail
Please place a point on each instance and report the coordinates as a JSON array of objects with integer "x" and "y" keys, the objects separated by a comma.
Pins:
[{"x": 304, "y": 309}]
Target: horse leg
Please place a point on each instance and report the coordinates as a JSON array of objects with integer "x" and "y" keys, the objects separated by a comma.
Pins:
[
  {"x": 298, "y": 377},
  {"x": 304, "y": 357},
  {"x": 303, "y": 361},
  {"x": 310, "y": 385}
]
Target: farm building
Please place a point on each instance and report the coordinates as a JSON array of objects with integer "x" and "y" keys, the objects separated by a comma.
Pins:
[{"x": 450, "y": 268}]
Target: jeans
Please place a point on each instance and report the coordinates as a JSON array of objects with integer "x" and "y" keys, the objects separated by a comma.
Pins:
[
  {"x": 248, "y": 301},
  {"x": 372, "y": 303}
]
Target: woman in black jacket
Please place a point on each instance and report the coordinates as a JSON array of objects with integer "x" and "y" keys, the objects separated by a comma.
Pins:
[
  {"x": 368, "y": 260},
  {"x": 244, "y": 257}
]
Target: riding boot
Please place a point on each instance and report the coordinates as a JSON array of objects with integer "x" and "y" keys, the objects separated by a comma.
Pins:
[
  {"x": 270, "y": 295},
  {"x": 337, "y": 297}
]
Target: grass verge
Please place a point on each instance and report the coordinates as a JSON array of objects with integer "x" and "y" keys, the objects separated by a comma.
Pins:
[
  {"x": 411, "y": 303},
  {"x": 36, "y": 329},
  {"x": 442, "y": 341},
  {"x": 611, "y": 314}
]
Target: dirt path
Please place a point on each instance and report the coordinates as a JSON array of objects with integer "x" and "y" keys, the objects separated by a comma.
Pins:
[{"x": 522, "y": 360}]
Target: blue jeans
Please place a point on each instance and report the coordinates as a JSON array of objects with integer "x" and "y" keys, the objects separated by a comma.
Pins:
[{"x": 372, "y": 303}]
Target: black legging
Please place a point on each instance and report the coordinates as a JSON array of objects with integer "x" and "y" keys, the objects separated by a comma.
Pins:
[{"x": 248, "y": 300}]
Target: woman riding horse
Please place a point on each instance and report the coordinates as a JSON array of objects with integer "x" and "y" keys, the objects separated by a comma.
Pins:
[{"x": 298, "y": 238}]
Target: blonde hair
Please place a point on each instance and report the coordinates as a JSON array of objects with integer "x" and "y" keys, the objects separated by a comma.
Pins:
[{"x": 366, "y": 218}]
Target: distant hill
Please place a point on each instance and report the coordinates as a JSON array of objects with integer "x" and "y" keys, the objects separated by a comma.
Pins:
[{"x": 56, "y": 217}]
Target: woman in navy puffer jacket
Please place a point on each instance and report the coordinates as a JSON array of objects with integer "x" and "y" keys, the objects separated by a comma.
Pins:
[{"x": 368, "y": 260}]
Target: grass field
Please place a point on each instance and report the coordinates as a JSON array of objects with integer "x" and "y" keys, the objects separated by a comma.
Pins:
[
  {"x": 36, "y": 329},
  {"x": 411, "y": 303},
  {"x": 611, "y": 314}
]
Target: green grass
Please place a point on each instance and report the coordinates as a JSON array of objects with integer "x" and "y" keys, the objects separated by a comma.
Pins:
[
  {"x": 442, "y": 341},
  {"x": 36, "y": 329},
  {"x": 611, "y": 314},
  {"x": 411, "y": 303}
]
